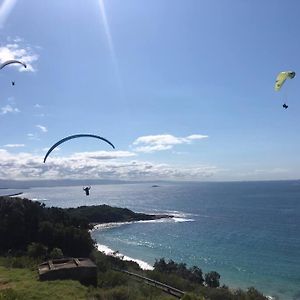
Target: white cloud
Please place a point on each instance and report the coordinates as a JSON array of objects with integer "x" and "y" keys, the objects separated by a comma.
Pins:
[
  {"x": 14, "y": 145},
  {"x": 42, "y": 128},
  {"x": 32, "y": 136},
  {"x": 154, "y": 148},
  {"x": 95, "y": 165},
  {"x": 16, "y": 51},
  {"x": 153, "y": 143},
  {"x": 196, "y": 137},
  {"x": 258, "y": 172},
  {"x": 37, "y": 105},
  {"x": 8, "y": 109},
  {"x": 40, "y": 115},
  {"x": 102, "y": 155}
]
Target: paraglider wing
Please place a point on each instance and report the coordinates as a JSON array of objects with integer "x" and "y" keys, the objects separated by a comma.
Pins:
[
  {"x": 74, "y": 137},
  {"x": 282, "y": 77},
  {"x": 13, "y": 61}
]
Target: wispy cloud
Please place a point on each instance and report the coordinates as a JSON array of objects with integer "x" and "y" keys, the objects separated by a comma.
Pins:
[
  {"x": 264, "y": 172},
  {"x": 102, "y": 155},
  {"x": 87, "y": 157},
  {"x": 33, "y": 137},
  {"x": 23, "y": 53},
  {"x": 5, "y": 10},
  {"x": 14, "y": 145},
  {"x": 153, "y": 143},
  {"x": 9, "y": 109},
  {"x": 37, "y": 105},
  {"x": 100, "y": 165},
  {"x": 42, "y": 128},
  {"x": 40, "y": 115}
]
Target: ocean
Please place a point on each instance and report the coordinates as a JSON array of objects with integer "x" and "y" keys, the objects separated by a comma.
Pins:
[{"x": 249, "y": 232}]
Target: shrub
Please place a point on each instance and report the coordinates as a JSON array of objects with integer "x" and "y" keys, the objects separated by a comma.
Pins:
[
  {"x": 212, "y": 279},
  {"x": 37, "y": 250},
  {"x": 56, "y": 253},
  {"x": 10, "y": 294}
]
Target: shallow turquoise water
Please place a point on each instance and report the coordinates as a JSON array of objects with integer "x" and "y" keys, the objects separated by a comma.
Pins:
[{"x": 248, "y": 232}]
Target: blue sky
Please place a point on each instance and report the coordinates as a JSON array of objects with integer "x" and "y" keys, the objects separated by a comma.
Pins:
[{"x": 184, "y": 89}]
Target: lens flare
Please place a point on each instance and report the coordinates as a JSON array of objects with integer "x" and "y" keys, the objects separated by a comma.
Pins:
[
  {"x": 5, "y": 10},
  {"x": 110, "y": 41}
]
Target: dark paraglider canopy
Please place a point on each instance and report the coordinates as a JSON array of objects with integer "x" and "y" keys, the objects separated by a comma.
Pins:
[
  {"x": 74, "y": 137},
  {"x": 13, "y": 61}
]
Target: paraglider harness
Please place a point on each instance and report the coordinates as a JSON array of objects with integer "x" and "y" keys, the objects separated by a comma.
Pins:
[{"x": 87, "y": 190}]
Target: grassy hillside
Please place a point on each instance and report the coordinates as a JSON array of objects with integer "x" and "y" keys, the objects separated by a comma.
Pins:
[
  {"x": 23, "y": 284},
  {"x": 18, "y": 284}
]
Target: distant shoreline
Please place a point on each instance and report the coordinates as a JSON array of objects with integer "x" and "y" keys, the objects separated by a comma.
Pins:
[
  {"x": 117, "y": 223},
  {"x": 44, "y": 183}
]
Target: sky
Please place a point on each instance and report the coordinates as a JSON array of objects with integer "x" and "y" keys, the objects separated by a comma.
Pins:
[{"x": 183, "y": 89}]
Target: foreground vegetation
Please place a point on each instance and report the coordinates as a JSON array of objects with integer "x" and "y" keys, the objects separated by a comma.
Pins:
[
  {"x": 31, "y": 233},
  {"x": 23, "y": 222},
  {"x": 22, "y": 283}
]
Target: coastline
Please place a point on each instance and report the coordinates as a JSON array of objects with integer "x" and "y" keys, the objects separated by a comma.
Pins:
[
  {"x": 147, "y": 218},
  {"x": 143, "y": 264},
  {"x": 108, "y": 251},
  {"x": 157, "y": 219}
]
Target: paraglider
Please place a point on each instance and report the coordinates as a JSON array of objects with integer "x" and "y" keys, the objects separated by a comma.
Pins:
[
  {"x": 87, "y": 190},
  {"x": 13, "y": 61},
  {"x": 74, "y": 137},
  {"x": 282, "y": 77},
  {"x": 280, "y": 80}
]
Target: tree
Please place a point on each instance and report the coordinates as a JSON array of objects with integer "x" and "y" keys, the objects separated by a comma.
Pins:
[
  {"x": 253, "y": 294},
  {"x": 37, "y": 250},
  {"x": 212, "y": 279},
  {"x": 197, "y": 275},
  {"x": 160, "y": 265}
]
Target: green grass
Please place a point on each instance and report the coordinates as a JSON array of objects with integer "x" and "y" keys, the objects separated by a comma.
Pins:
[
  {"x": 19, "y": 281},
  {"x": 19, "y": 284}
]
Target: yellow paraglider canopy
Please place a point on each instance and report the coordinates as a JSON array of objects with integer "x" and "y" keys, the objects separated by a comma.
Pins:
[{"x": 282, "y": 77}]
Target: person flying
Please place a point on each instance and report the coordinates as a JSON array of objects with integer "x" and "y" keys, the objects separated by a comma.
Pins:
[
  {"x": 87, "y": 190},
  {"x": 281, "y": 79}
]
